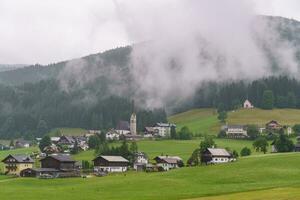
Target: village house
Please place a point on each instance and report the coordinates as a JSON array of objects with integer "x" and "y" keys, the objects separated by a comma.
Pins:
[
  {"x": 163, "y": 129},
  {"x": 248, "y": 104},
  {"x": 167, "y": 163},
  {"x": 112, "y": 135},
  {"x": 59, "y": 165},
  {"x": 236, "y": 131},
  {"x": 22, "y": 143},
  {"x": 150, "y": 132},
  {"x": 273, "y": 126},
  {"x": 140, "y": 161},
  {"x": 66, "y": 141},
  {"x": 216, "y": 155},
  {"x": 110, "y": 164},
  {"x": 123, "y": 128},
  {"x": 14, "y": 164}
]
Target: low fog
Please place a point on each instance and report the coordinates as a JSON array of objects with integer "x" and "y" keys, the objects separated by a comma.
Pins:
[{"x": 181, "y": 44}]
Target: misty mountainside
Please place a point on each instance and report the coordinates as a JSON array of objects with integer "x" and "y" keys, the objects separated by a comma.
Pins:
[
  {"x": 288, "y": 29},
  {"x": 6, "y": 67},
  {"x": 95, "y": 92}
]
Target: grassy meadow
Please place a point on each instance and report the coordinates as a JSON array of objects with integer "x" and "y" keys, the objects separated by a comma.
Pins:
[
  {"x": 198, "y": 120},
  {"x": 182, "y": 148},
  {"x": 261, "y": 172},
  {"x": 205, "y": 120}
]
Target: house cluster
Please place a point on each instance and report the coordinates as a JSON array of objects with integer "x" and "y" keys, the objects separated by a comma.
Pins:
[
  {"x": 64, "y": 144},
  {"x": 51, "y": 166},
  {"x": 62, "y": 165},
  {"x": 240, "y": 131},
  {"x": 128, "y": 130},
  {"x": 159, "y": 130}
]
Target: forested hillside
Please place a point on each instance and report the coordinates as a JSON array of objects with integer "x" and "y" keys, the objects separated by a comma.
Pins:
[{"x": 31, "y": 110}]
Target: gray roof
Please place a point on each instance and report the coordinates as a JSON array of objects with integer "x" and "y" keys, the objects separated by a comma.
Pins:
[
  {"x": 20, "y": 158},
  {"x": 218, "y": 152},
  {"x": 114, "y": 158},
  {"x": 61, "y": 158},
  {"x": 172, "y": 157}
]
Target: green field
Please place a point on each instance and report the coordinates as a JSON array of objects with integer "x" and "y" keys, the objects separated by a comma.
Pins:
[
  {"x": 205, "y": 120},
  {"x": 198, "y": 120},
  {"x": 180, "y": 148},
  {"x": 262, "y": 172},
  {"x": 67, "y": 132},
  {"x": 285, "y": 193}
]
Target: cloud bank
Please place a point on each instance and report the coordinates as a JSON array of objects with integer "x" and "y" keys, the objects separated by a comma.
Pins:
[{"x": 186, "y": 43}]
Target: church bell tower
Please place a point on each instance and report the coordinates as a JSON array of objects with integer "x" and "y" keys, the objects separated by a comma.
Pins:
[{"x": 133, "y": 121}]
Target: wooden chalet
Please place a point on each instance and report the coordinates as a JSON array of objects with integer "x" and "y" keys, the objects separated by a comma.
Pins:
[
  {"x": 273, "y": 126},
  {"x": 216, "y": 155},
  {"x": 110, "y": 164}
]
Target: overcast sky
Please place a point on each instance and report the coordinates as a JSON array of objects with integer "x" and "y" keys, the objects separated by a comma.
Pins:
[{"x": 47, "y": 31}]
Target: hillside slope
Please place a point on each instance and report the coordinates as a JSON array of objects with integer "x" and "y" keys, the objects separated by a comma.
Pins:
[{"x": 205, "y": 120}]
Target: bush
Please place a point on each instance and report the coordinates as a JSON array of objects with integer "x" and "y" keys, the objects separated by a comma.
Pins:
[{"x": 245, "y": 152}]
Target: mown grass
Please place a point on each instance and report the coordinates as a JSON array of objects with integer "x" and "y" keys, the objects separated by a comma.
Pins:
[
  {"x": 67, "y": 132},
  {"x": 285, "y": 193},
  {"x": 248, "y": 174}
]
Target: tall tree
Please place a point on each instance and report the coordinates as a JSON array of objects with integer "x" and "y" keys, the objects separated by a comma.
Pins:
[{"x": 261, "y": 144}]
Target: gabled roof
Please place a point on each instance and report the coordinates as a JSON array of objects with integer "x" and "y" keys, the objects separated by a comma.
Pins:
[
  {"x": 170, "y": 160},
  {"x": 20, "y": 158},
  {"x": 173, "y": 157},
  {"x": 113, "y": 158},
  {"x": 61, "y": 158},
  {"x": 218, "y": 152},
  {"x": 123, "y": 125},
  {"x": 272, "y": 122}
]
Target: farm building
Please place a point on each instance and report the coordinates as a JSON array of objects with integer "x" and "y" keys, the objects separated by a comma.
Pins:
[
  {"x": 140, "y": 161},
  {"x": 216, "y": 155},
  {"x": 54, "y": 166},
  {"x": 14, "y": 164},
  {"x": 167, "y": 163},
  {"x": 110, "y": 164}
]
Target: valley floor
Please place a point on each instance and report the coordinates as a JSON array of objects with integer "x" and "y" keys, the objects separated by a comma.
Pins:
[{"x": 259, "y": 176}]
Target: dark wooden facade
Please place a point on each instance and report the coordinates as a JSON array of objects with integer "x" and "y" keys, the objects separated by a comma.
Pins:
[
  {"x": 99, "y": 161},
  {"x": 62, "y": 165}
]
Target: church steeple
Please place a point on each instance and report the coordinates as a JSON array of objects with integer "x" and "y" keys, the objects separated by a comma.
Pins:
[{"x": 133, "y": 120}]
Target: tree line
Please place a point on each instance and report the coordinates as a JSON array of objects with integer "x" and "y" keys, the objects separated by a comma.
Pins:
[{"x": 265, "y": 93}]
